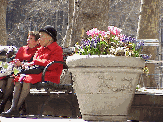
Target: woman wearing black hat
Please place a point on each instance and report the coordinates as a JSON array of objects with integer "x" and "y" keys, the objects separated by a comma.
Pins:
[{"x": 49, "y": 51}]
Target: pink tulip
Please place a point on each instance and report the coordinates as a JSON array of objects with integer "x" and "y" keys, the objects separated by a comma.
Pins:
[
  {"x": 118, "y": 31},
  {"x": 115, "y": 28},
  {"x": 110, "y": 28},
  {"x": 107, "y": 33},
  {"x": 95, "y": 31},
  {"x": 121, "y": 36},
  {"x": 92, "y": 35},
  {"x": 88, "y": 33},
  {"x": 113, "y": 32},
  {"x": 103, "y": 33}
]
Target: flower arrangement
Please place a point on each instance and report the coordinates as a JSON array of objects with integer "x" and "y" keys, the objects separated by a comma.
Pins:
[
  {"x": 110, "y": 42},
  {"x": 6, "y": 68}
]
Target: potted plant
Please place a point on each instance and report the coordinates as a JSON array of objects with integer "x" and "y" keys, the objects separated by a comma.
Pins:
[{"x": 106, "y": 69}]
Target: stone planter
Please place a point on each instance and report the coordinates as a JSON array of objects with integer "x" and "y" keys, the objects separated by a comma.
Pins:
[{"x": 105, "y": 85}]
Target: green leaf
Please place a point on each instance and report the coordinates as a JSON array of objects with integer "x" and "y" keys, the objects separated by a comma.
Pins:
[
  {"x": 136, "y": 54},
  {"x": 16, "y": 71},
  {"x": 133, "y": 46},
  {"x": 5, "y": 66}
]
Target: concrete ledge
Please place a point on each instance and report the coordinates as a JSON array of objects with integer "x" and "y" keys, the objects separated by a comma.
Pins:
[{"x": 145, "y": 107}]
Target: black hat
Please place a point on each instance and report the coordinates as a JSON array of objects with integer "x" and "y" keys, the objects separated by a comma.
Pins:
[{"x": 50, "y": 31}]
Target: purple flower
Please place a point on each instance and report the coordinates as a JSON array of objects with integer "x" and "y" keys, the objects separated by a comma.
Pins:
[
  {"x": 84, "y": 43},
  {"x": 128, "y": 39},
  {"x": 139, "y": 45},
  {"x": 125, "y": 39},
  {"x": 133, "y": 40},
  {"x": 145, "y": 56}
]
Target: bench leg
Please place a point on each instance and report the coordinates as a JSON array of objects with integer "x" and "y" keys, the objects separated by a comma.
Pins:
[
  {"x": 73, "y": 100},
  {"x": 43, "y": 105},
  {"x": 73, "y": 105}
]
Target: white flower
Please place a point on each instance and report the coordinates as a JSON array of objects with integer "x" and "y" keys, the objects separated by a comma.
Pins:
[{"x": 116, "y": 38}]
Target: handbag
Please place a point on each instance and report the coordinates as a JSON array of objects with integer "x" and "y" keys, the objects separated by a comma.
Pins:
[
  {"x": 32, "y": 70},
  {"x": 6, "y": 69}
]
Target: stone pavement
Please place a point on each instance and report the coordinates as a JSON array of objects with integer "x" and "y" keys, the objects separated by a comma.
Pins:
[{"x": 3, "y": 119}]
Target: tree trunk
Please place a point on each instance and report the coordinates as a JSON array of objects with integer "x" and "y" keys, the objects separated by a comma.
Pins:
[
  {"x": 148, "y": 29},
  {"x": 66, "y": 42},
  {"x": 85, "y": 15},
  {"x": 88, "y": 14},
  {"x": 124, "y": 14},
  {"x": 3, "y": 34}
]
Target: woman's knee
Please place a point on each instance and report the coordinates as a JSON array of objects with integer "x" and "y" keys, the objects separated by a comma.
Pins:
[
  {"x": 2, "y": 83},
  {"x": 10, "y": 81},
  {"x": 26, "y": 85}
]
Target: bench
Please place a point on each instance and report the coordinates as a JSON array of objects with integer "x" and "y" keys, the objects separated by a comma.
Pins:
[
  {"x": 7, "y": 53},
  {"x": 65, "y": 85}
]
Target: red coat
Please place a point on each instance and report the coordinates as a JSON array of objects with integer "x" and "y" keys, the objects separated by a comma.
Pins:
[
  {"x": 42, "y": 57},
  {"x": 25, "y": 53}
]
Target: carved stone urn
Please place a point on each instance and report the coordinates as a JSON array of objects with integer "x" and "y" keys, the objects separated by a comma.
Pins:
[{"x": 105, "y": 85}]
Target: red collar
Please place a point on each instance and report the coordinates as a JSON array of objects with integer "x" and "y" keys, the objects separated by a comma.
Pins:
[
  {"x": 51, "y": 46},
  {"x": 34, "y": 48}
]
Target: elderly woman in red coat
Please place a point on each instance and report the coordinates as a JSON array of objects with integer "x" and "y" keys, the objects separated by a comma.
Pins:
[
  {"x": 49, "y": 51},
  {"x": 24, "y": 54}
]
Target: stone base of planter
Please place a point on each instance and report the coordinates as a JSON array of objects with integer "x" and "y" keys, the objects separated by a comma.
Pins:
[
  {"x": 104, "y": 107},
  {"x": 105, "y": 86}
]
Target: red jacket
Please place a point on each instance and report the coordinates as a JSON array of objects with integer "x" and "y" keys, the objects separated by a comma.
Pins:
[
  {"x": 42, "y": 57},
  {"x": 25, "y": 53}
]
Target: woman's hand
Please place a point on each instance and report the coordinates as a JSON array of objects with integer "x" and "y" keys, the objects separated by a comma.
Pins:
[
  {"x": 17, "y": 62},
  {"x": 27, "y": 65}
]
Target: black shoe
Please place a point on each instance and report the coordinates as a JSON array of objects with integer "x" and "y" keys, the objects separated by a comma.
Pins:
[
  {"x": 2, "y": 107},
  {"x": 22, "y": 109},
  {"x": 23, "y": 113},
  {"x": 10, "y": 98},
  {"x": 10, "y": 113},
  {"x": 1, "y": 94}
]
